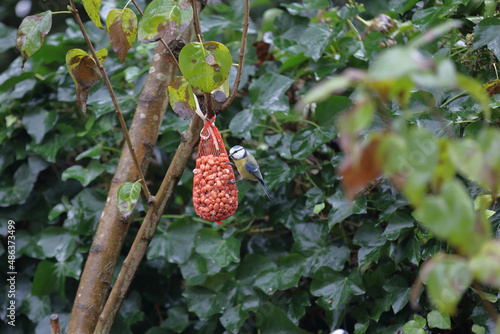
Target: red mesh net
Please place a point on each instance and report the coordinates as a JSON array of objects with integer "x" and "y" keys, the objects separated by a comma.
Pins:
[{"x": 214, "y": 199}]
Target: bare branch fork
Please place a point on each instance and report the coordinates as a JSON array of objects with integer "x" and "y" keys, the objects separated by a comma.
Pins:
[{"x": 115, "y": 102}]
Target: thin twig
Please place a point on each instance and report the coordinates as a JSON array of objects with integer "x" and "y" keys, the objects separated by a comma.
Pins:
[
  {"x": 196, "y": 21},
  {"x": 161, "y": 39},
  {"x": 115, "y": 102},
  {"x": 54, "y": 324},
  {"x": 242, "y": 59}
]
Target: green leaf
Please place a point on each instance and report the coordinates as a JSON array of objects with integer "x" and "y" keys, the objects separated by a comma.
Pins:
[
  {"x": 415, "y": 326},
  {"x": 122, "y": 27},
  {"x": 32, "y": 32},
  {"x": 309, "y": 237},
  {"x": 84, "y": 175},
  {"x": 57, "y": 242},
  {"x": 181, "y": 98},
  {"x": 275, "y": 321},
  {"x": 197, "y": 268},
  {"x": 92, "y": 153},
  {"x": 23, "y": 183},
  {"x": 485, "y": 33},
  {"x": 477, "y": 91},
  {"x": 92, "y": 8},
  {"x": 398, "y": 223},
  {"x": 268, "y": 93},
  {"x": 234, "y": 317},
  {"x": 127, "y": 197},
  {"x": 167, "y": 19},
  {"x": 177, "y": 319},
  {"x": 335, "y": 288},
  {"x": 308, "y": 140},
  {"x": 38, "y": 122},
  {"x": 286, "y": 275},
  {"x": 50, "y": 277},
  {"x": 399, "y": 292},
  {"x": 315, "y": 39},
  {"x": 486, "y": 266},
  {"x": 447, "y": 278},
  {"x": 211, "y": 245},
  {"x": 177, "y": 244},
  {"x": 343, "y": 208},
  {"x": 205, "y": 66},
  {"x": 36, "y": 308},
  {"x": 202, "y": 301},
  {"x": 438, "y": 320},
  {"x": 450, "y": 216},
  {"x": 335, "y": 85}
]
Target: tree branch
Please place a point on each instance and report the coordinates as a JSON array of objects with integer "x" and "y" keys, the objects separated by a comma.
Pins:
[
  {"x": 113, "y": 98},
  {"x": 241, "y": 60},
  {"x": 96, "y": 278},
  {"x": 148, "y": 227}
]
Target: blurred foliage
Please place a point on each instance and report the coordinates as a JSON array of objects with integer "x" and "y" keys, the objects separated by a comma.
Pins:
[{"x": 309, "y": 259}]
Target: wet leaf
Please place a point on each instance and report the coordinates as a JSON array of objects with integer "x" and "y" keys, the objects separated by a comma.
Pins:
[
  {"x": 485, "y": 33},
  {"x": 275, "y": 321},
  {"x": 92, "y": 8},
  {"x": 122, "y": 27},
  {"x": 32, "y": 32},
  {"x": 84, "y": 72},
  {"x": 212, "y": 246},
  {"x": 57, "y": 242},
  {"x": 167, "y": 19},
  {"x": 180, "y": 95},
  {"x": 127, "y": 197},
  {"x": 205, "y": 66},
  {"x": 438, "y": 320},
  {"x": 84, "y": 175},
  {"x": 334, "y": 288},
  {"x": 286, "y": 275}
]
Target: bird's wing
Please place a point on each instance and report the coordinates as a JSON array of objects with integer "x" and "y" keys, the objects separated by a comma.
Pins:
[{"x": 254, "y": 170}]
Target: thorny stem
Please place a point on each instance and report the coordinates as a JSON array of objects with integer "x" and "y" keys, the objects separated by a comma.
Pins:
[
  {"x": 161, "y": 39},
  {"x": 115, "y": 102},
  {"x": 242, "y": 59}
]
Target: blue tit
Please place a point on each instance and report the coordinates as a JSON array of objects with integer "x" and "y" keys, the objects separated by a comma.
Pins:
[{"x": 247, "y": 166}]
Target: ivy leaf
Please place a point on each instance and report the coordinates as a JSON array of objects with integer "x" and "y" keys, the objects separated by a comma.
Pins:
[
  {"x": 32, "y": 32},
  {"x": 122, "y": 27},
  {"x": 84, "y": 72},
  {"x": 38, "y": 122},
  {"x": 315, "y": 39},
  {"x": 202, "y": 301},
  {"x": 415, "y": 326},
  {"x": 275, "y": 321},
  {"x": 486, "y": 265},
  {"x": 167, "y": 19},
  {"x": 57, "y": 242},
  {"x": 205, "y": 66},
  {"x": 286, "y": 275},
  {"x": 334, "y": 288},
  {"x": 268, "y": 93},
  {"x": 399, "y": 292},
  {"x": 181, "y": 98},
  {"x": 84, "y": 175},
  {"x": 211, "y": 245},
  {"x": 485, "y": 33},
  {"x": 92, "y": 8},
  {"x": 128, "y": 195},
  {"x": 438, "y": 320},
  {"x": 177, "y": 319}
]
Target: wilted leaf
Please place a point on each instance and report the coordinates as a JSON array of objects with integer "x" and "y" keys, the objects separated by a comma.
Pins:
[
  {"x": 167, "y": 19},
  {"x": 359, "y": 168},
  {"x": 180, "y": 95},
  {"x": 122, "y": 27},
  {"x": 92, "y": 8},
  {"x": 205, "y": 66},
  {"x": 84, "y": 72},
  {"x": 262, "y": 50},
  {"x": 128, "y": 195},
  {"x": 32, "y": 32}
]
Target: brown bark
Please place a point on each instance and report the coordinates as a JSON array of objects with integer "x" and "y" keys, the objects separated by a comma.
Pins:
[
  {"x": 148, "y": 226},
  {"x": 97, "y": 274}
]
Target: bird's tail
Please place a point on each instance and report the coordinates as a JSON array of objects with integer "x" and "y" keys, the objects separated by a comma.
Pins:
[{"x": 263, "y": 185}]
